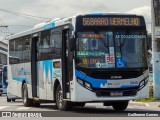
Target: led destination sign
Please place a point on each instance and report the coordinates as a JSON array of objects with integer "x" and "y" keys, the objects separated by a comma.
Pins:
[
  {"x": 92, "y": 35},
  {"x": 111, "y": 21}
]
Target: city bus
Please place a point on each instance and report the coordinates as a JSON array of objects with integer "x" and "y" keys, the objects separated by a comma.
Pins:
[
  {"x": 80, "y": 59},
  {"x": 3, "y": 62},
  {"x": 4, "y": 79}
]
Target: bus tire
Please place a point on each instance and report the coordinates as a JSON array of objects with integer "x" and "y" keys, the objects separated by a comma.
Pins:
[
  {"x": 0, "y": 94},
  {"x": 120, "y": 106},
  {"x": 8, "y": 100},
  {"x": 26, "y": 101},
  {"x": 60, "y": 103},
  {"x": 13, "y": 100}
]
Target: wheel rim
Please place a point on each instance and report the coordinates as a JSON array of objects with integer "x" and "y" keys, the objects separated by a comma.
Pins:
[
  {"x": 60, "y": 99},
  {"x": 24, "y": 96}
]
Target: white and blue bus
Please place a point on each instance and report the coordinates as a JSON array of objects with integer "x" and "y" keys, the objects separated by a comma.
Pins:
[
  {"x": 4, "y": 79},
  {"x": 80, "y": 59},
  {"x": 3, "y": 63}
]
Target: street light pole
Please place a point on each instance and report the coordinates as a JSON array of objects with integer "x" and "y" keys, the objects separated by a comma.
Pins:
[{"x": 155, "y": 7}]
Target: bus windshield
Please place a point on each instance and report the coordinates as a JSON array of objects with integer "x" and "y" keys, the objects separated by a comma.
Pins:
[{"x": 111, "y": 49}]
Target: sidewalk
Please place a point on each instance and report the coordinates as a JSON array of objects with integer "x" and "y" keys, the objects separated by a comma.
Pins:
[{"x": 146, "y": 104}]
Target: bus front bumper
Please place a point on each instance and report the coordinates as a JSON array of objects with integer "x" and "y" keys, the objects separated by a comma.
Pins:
[{"x": 81, "y": 94}]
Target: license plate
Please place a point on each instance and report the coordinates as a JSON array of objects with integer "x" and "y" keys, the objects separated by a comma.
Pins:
[{"x": 116, "y": 94}]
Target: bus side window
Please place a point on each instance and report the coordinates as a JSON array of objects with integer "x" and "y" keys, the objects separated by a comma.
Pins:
[
  {"x": 44, "y": 45},
  {"x": 18, "y": 49},
  {"x": 50, "y": 45},
  {"x": 26, "y": 49},
  {"x": 56, "y": 40}
]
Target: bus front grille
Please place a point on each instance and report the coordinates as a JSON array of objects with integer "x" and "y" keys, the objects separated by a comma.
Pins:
[
  {"x": 111, "y": 75},
  {"x": 100, "y": 93}
]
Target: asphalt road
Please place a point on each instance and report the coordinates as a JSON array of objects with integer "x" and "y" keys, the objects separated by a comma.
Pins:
[{"x": 90, "y": 110}]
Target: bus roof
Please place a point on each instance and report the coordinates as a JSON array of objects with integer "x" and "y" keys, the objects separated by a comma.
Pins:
[{"x": 43, "y": 26}]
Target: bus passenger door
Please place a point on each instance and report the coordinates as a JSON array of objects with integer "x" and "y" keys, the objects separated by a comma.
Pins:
[
  {"x": 67, "y": 64},
  {"x": 34, "y": 59}
]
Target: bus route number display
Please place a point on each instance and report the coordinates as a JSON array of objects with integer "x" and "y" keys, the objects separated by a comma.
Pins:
[{"x": 111, "y": 21}]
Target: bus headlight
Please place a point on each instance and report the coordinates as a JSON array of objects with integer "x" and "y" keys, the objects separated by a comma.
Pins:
[
  {"x": 84, "y": 84},
  {"x": 143, "y": 83},
  {"x": 87, "y": 85},
  {"x": 80, "y": 81}
]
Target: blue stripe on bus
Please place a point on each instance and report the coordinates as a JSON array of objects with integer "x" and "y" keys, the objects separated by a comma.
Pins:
[
  {"x": 96, "y": 83},
  {"x": 48, "y": 66},
  {"x": 21, "y": 79},
  {"x": 50, "y": 25}
]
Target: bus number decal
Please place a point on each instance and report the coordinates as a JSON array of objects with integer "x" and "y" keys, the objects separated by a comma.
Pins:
[{"x": 110, "y": 58}]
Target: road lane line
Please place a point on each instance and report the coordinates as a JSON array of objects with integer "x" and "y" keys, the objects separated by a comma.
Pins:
[
  {"x": 23, "y": 108},
  {"x": 3, "y": 107}
]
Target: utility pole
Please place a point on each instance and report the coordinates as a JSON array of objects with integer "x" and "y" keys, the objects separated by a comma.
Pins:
[{"x": 155, "y": 6}]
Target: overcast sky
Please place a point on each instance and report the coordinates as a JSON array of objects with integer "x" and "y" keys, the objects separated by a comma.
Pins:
[{"x": 63, "y": 8}]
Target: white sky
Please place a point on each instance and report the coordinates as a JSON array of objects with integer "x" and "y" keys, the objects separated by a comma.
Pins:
[{"x": 64, "y": 8}]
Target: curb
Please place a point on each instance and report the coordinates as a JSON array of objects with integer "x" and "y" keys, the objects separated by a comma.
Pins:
[{"x": 139, "y": 103}]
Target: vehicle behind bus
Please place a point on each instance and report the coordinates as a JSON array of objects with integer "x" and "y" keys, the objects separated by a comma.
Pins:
[
  {"x": 1, "y": 89},
  {"x": 3, "y": 80}
]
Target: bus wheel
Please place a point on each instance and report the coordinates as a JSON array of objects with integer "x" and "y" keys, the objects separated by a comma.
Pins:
[
  {"x": 26, "y": 101},
  {"x": 60, "y": 103},
  {"x": 120, "y": 106},
  {"x": 8, "y": 100},
  {"x": 0, "y": 94},
  {"x": 13, "y": 100}
]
